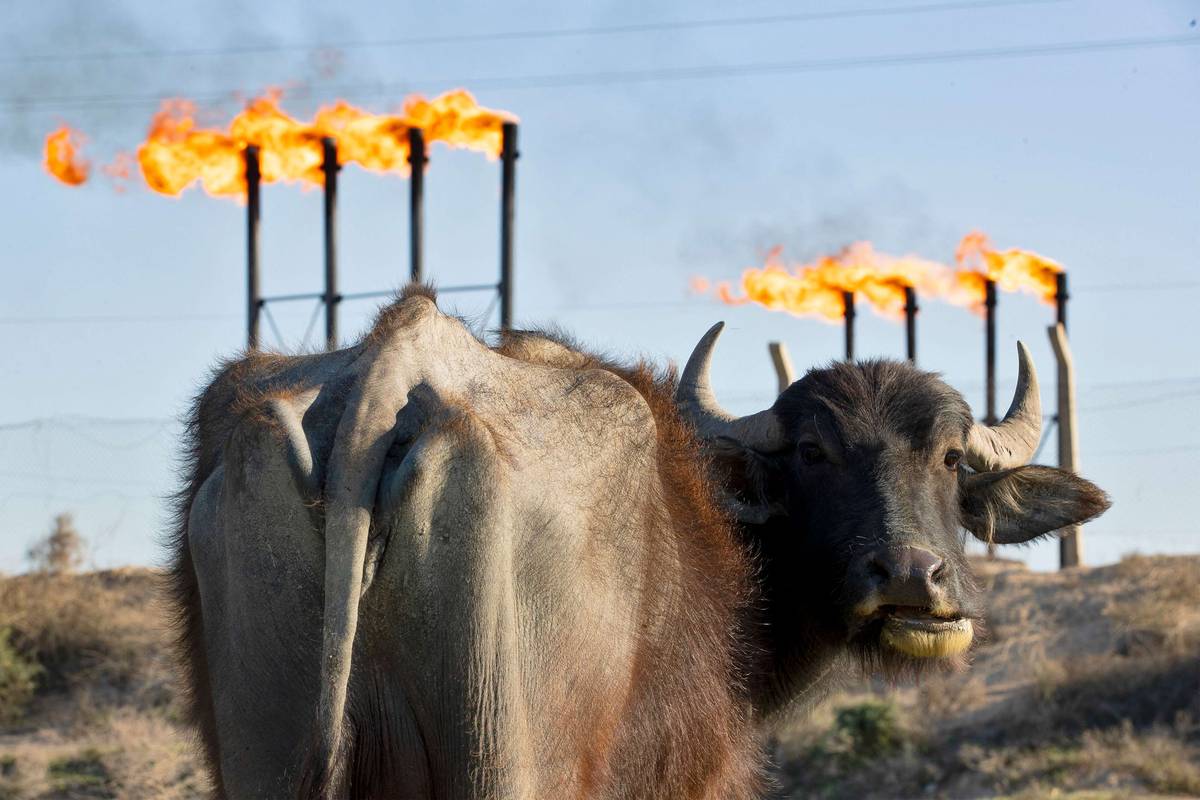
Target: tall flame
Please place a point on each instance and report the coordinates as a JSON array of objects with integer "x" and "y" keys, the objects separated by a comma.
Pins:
[
  {"x": 178, "y": 152},
  {"x": 1013, "y": 270},
  {"x": 62, "y": 158},
  {"x": 816, "y": 288}
]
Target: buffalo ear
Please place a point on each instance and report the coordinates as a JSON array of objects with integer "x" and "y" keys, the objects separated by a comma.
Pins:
[
  {"x": 1012, "y": 506},
  {"x": 751, "y": 488}
]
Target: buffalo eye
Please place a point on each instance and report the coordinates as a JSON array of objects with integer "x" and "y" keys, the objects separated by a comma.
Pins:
[
  {"x": 810, "y": 453},
  {"x": 953, "y": 457}
]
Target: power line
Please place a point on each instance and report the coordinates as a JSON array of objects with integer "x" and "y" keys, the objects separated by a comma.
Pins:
[
  {"x": 103, "y": 481},
  {"x": 616, "y": 305},
  {"x": 613, "y": 77},
  {"x": 1137, "y": 287},
  {"x": 528, "y": 34},
  {"x": 74, "y": 421},
  {"x": 1146, "y": 451},
  {"x": 1139, "y": 383},
  {"x": 1143, "y": 535},
  {"x": 116, "y": 318},
  {"x": 1145, "y": 401}
]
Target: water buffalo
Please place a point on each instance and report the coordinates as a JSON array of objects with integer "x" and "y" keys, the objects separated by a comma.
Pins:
[
  {"x": 426, "y": 567},
  {"x": 851, "y": 492}
]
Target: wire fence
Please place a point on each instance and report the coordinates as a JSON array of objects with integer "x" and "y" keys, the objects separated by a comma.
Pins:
[{"x": 117, "y": 476}]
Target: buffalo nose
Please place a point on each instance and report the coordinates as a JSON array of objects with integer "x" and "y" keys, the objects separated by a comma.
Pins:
[{"x": 907, "y": 576}]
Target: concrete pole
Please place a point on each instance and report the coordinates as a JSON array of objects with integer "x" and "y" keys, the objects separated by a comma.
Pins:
[
  {"x": 1070, "y": 543},
  {"x": 783, "y": 364}
]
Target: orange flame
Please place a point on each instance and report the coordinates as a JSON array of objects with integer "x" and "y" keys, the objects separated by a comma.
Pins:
[
  {"x": 178, "y": 153},
  {"x": 816, "y": 288},
  {"x": 119, "y": 171},
  {"x": 62, "y": 159},
  {"x": 1013, "y": 270}
]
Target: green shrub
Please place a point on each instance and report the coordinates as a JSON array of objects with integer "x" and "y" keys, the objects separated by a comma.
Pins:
[
  {"x": 869, "y": 730},
  {"x": 18, "y": 680},
  {"x": 81, "y": 775},
  {"x": 10, "y": 781}
]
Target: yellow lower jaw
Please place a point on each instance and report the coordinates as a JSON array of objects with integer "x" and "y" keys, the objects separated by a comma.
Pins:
[{"x": 929, "y": 644}]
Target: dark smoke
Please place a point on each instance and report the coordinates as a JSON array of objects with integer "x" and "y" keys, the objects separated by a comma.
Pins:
[{"x": 48, "y": 77}]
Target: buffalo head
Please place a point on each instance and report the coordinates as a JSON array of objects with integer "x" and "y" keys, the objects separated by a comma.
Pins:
[{"x": 854, "y": 488}]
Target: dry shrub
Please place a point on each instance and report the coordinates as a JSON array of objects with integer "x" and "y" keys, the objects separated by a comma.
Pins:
[
  {"x": 1160, "y": 758},
  {"x": 1118, "y": 762},
  {"x": 864, "y": 748},
  {"x": 61, "y": 552},
  {"x": 102, "y": 725},
  {"x": 82, "y": 630},
  {"x": 152, "y": 759}
]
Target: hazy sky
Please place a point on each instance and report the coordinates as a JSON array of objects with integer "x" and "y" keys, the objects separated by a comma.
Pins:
[{"x": 647, "y": 156}]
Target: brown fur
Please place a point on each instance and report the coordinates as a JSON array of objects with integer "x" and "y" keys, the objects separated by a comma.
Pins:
[{"x": 697, "y": 682}]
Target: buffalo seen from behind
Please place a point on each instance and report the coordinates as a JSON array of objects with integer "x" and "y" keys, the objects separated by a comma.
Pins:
[{"x": 425, "y": 567}]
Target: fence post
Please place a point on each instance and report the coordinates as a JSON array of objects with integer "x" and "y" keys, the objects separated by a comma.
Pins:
[
  {"x": 784, "y": 372},
  {"x": 1070, "y": 543}
]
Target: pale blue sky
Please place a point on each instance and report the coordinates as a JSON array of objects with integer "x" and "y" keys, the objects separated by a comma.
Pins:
[{"x": 116, "y": 305}]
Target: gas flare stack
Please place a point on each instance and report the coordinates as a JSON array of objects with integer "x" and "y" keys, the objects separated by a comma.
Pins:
[
  {"x": 1060, "y": 298},
  {"x": 330, "y": 168},
  {"x": 989, "y": 351},
  {"x": 254, "y": 299},
  {"x": 416, "y": 202},
  {"x": 264, "y": 144},
  {"x": 848, "y": 314},
  {"x": 331, "y": 298},
  {"x": 910, "y": 323}
]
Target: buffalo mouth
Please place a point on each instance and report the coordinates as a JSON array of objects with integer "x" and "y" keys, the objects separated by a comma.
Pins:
[{"x": 920, "y": 634}]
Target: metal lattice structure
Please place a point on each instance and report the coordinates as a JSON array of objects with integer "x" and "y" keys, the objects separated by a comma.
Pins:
[{"x": 330, "y": 299}]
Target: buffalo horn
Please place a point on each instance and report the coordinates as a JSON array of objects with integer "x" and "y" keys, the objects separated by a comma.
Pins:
[
  {"x": 699, "y": 406},
  {"x": 1012, "y": 441}
]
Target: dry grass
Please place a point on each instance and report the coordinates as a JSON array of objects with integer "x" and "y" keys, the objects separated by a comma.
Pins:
[
  {"x": 1119, "y": 759},
  {"x": 1159, "y": 607},
  {"x": 99, "y": 630},
  {"x": 1088, "y": 687},
  {"x": 102, "y": 723},
  {"x": 131, "y": 755}
]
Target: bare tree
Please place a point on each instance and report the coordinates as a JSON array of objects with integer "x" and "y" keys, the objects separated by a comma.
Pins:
[{"x": 61, "y": 552}]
